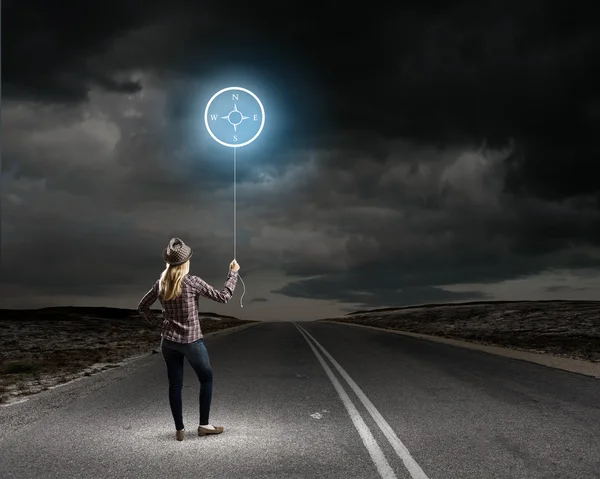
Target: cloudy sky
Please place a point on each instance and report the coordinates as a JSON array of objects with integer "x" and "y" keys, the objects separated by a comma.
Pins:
[{"x": 411, "y": 154}]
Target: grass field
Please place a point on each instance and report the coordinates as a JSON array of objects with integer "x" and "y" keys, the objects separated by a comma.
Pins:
[
  {"x": 562, "y": 328},
  {"x": 45, "y": 347}
]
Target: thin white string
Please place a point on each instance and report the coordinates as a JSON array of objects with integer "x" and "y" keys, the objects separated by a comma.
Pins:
[
  {"x": 235, "y": 219},
  {"x": 234, "y": 202}
]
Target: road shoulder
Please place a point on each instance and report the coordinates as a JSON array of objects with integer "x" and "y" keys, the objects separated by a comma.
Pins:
[{"x": 566, "y": 364}]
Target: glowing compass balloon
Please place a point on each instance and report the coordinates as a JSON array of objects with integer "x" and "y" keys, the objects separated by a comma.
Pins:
[{"x": 234, "y": 117}]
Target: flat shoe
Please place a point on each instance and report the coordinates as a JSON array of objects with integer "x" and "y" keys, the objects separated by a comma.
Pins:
[{"x": 205, "y": 432}]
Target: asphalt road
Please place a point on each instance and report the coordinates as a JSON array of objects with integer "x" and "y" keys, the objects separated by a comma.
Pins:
[{"x": 386, "y": 406}]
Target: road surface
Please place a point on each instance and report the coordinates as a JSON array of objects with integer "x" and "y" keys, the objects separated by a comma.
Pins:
[{"x": 316, "y": 400}]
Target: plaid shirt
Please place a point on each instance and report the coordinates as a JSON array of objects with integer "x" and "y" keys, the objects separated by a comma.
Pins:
[{"x": 181, "y": 323}]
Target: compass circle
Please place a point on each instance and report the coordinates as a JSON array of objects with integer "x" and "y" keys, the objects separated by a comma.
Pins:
[{"x": 234, "y": 117}]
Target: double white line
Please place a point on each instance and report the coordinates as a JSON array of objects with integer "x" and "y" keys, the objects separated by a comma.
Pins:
[{"x": 383, "y": 466}]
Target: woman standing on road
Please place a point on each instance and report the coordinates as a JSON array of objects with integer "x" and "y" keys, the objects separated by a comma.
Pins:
[{"x": 178, "y": 292}]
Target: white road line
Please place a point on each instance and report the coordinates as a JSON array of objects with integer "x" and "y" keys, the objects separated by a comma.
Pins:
[
  {"x": 411, "y": 465},
  {"x": 383, "y": 466}
]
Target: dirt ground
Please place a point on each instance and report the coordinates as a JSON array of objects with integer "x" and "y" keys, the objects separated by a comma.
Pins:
[
  {"x": 569, "y": 329},
  {"x": 42, "y": 349}
]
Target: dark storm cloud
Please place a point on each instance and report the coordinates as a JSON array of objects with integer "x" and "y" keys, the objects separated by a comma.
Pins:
[
  {"x": 441, "y": 223},
  {"x": 562, "y": 288},
  {"x": 405, "y": 278},
  {"x": 47, "y": 46},
  {"x": 259, "y": 300},
  {"x": 498, "y": 71},
  {"x": 471, "y": 72},
  {"x": 330, "y": 289},
  {"x": 357, "y": 209},
  {"x": 70, "y": 251},
  {"x": 87, "y": 254}
]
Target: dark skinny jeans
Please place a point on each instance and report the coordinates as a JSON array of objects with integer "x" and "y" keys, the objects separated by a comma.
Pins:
[{"x": 197, "y": 356}]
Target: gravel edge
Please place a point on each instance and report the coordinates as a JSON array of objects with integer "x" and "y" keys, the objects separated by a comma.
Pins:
[{"x": 566, "y": 364}]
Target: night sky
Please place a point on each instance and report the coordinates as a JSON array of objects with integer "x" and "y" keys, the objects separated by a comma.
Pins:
[{"x": 413, "y": 152}]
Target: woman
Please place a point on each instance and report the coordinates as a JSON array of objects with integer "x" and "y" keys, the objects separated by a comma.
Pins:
[{"x": 178, "y": 293}]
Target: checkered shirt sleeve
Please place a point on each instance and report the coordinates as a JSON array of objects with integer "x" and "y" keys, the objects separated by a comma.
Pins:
[
  {"x": 148, "y": 300},
  {"x": 206, "y": 290}
]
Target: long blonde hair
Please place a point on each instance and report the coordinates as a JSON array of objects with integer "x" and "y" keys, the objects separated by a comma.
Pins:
[{"x": 171, "y": 280}]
